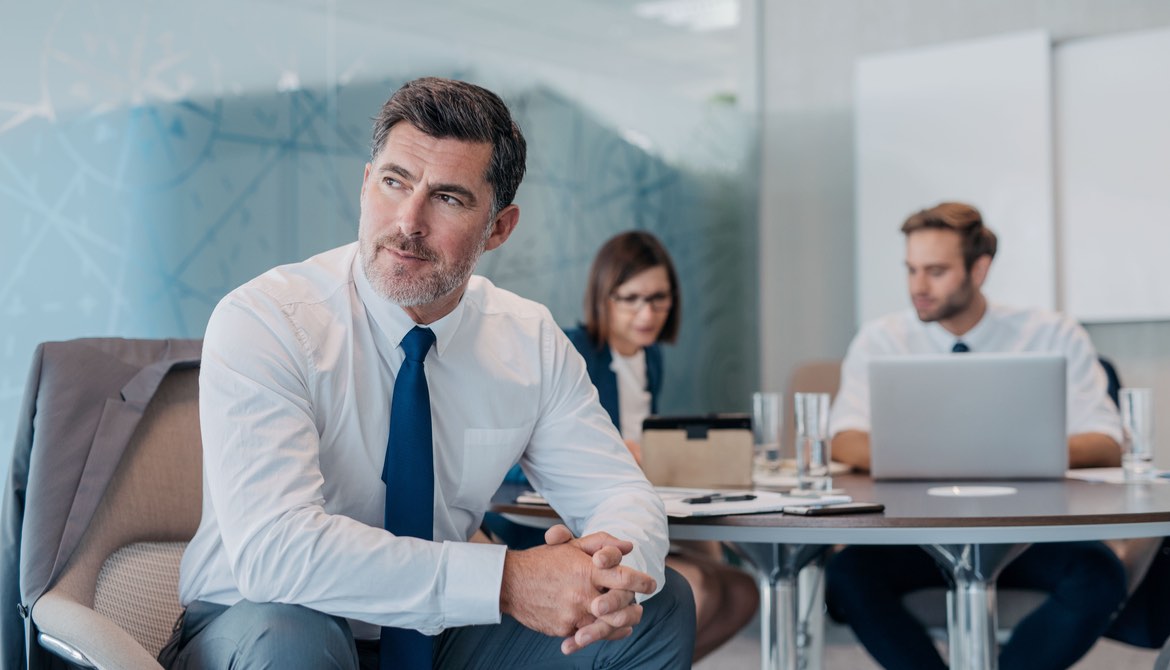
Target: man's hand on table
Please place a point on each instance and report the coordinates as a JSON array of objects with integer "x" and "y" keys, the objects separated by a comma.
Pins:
[{"x": 574, "y": 588}]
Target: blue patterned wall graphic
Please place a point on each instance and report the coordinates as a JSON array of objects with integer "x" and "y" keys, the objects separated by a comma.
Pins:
[{"x": 135, "y": 221}]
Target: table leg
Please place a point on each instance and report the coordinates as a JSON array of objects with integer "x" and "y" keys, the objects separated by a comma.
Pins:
[
  {"x": 971, "y": 611},
  {"x": 777, "y": 568},
  {"x": 810, "y": 641}
]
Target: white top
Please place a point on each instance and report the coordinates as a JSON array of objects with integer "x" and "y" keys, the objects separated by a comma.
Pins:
[
  {"x": 1001, "y": 330},
  {"x": 295, "y": 388},
  {"x": 633, "y": 398}
]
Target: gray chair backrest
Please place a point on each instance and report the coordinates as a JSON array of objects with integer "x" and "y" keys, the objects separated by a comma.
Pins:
[{"x": 127, "y": 566}]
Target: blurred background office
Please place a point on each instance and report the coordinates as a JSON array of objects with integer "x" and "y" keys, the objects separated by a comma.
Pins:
[{"x": 155, "y": 155}]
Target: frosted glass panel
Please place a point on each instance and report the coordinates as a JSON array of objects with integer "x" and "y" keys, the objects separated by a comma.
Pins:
[{"x": 154, "y": 156}]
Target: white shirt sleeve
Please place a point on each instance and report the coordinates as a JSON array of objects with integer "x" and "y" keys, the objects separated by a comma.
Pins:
[
  {"x": 1090, "y": 410},
  {"x": 850, "y": 409},
  {"x": 577, "y": 460},
  {"x": 261, "y": 464}
]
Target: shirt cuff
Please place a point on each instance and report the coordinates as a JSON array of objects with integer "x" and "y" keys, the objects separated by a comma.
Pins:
[
  {"x": 474, "y": 575},
  {"x": 639, "y": 561}
]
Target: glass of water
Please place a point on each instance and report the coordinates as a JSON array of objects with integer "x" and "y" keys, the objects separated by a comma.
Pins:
[
  {"x": 1137, "y": 422},
  {"x": 812, "y": 441},
  {"x": 766, "y": 422}
]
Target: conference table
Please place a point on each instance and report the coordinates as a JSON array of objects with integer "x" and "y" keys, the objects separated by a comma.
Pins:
[{"x": 971, "y": 535}]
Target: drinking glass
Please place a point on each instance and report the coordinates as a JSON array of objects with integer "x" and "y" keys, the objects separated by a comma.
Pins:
[
  {"x": 812, "y": 441},
  {"x": 1137, "y": 422},
  {"x": 766, "y": 422}
]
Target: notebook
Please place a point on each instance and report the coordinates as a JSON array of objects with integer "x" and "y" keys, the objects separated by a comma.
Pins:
[{"x": 968, "y": 416}]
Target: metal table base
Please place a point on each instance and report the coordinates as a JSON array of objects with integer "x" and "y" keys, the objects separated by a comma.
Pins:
[
  {"x": 971, "y": 608},
  {"x": 785, "y": 641}
]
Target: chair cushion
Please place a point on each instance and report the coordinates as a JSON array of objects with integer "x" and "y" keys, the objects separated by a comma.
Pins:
[{"x": 138, "y": 588}]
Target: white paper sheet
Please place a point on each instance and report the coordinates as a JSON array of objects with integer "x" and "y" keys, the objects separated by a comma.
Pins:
[{"x": 764, "y": 501}]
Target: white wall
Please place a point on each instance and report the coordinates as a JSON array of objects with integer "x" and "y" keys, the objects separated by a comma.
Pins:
[
  {"x": 807, "y": 167},
  {"x": 1112, "y": 106},
  {"x": 969, "y": 121}
]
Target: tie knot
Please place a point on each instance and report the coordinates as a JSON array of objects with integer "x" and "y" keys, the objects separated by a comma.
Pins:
[
  {"x": 960, "y": 348},
  {"x": 417, "y": 343}
]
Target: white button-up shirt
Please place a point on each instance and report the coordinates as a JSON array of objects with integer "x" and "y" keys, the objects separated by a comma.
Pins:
[
  {"x": 634, "y": 401},
  {"x": 1001, "y": 330},
  {"x": 297, "y": 376}
]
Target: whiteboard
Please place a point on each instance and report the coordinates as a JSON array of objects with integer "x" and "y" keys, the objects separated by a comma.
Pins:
[
  {"x": 1113, "y": 190},
  {"x": 968, "y": 121}
]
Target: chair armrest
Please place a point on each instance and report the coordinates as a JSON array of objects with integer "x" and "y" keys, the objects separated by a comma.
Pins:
[{"x": 100, "y": 640}]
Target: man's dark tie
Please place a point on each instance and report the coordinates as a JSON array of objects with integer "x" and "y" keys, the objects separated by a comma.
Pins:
[
  {"x": 409, "y": 473},
  {"x": 960, "y": 348}
]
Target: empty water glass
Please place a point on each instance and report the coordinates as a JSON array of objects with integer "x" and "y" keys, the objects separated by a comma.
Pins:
[
  {"x": 766, "y": 422},
  {"x": 1137, "y": 422}
]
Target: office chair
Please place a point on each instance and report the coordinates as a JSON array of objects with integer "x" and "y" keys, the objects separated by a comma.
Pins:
[
  {"x": 815, "y": 376},
  {"x": 1113, "y": 381},
  {"x": 118, "y": 598},
  {"x": 102, "y": 582}
]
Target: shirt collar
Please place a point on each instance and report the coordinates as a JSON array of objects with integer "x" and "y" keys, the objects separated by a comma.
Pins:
[
  {"x": 977, "y": 338},
  {"x": 393, "y": 321}
]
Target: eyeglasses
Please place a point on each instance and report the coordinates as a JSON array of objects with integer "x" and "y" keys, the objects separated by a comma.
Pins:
[{"x": 659, "y": 302}]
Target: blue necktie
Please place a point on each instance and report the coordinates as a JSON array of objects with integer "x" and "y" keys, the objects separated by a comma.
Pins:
[
  {"x": 409, "y": 473},
  {"x": 960, "y": 348}
]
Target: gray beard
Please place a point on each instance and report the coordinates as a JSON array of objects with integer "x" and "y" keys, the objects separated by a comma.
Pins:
[{"x": 398, "y": 287}]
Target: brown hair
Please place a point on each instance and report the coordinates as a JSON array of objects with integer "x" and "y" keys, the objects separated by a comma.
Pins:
[
  {"x": 620, "y": 258},
  {"x": 445, "y": 108},
  {"x": 977, "y": 240}
]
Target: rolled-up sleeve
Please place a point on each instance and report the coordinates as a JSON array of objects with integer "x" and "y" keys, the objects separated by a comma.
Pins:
[
  {"x": 577, "y": 460},
  {"x": 1090, "y": 410},
  {"x": 850, "y": 409}
]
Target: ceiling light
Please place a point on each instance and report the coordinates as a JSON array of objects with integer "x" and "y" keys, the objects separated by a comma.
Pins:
[{"x": 695, "y": 15}]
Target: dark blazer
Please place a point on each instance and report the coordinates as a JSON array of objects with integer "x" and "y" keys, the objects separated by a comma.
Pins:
[
  {"x": 83, "y": 401},
  {"x": 597, "y": 362}
]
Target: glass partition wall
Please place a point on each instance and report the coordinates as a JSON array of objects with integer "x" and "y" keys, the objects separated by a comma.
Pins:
[{"x": 154, "y": 156}]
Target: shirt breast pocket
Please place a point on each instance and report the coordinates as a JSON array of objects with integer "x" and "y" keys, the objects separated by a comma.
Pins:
[{"x": 488, "y": 453}]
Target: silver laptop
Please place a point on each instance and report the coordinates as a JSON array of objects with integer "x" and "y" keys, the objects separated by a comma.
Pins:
[{"x": 968, "y": 416}]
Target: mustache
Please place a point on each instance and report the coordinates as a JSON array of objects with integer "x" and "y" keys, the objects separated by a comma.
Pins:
[{"x": 412, "y": 246}]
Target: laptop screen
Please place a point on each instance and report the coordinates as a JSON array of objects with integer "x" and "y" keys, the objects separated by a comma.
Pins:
[{"x": 970, "y": 416}]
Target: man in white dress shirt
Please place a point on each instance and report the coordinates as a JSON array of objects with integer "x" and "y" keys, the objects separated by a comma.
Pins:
[
  {"x": 291, "y": 565},
  {"x": 948, "y": 255}
]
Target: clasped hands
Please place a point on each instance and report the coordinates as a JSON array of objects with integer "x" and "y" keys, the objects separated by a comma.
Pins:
[{"x": 575, "y": 588}]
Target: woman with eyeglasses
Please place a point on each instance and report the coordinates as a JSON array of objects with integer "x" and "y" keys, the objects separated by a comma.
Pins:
[{"x": 632, "y": 306}]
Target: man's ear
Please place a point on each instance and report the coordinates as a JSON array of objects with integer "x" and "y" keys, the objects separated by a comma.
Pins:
[
  {"x": 979, "y": 270},
  {"x": 502, "y": 227},
  {"x": 365, "y": 178}
]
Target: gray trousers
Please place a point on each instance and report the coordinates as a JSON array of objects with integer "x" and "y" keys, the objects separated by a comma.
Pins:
[{"x": 272, "y": 635}]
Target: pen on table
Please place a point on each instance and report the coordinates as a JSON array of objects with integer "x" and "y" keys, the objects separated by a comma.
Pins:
[{"x": 718, "y": 497}]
